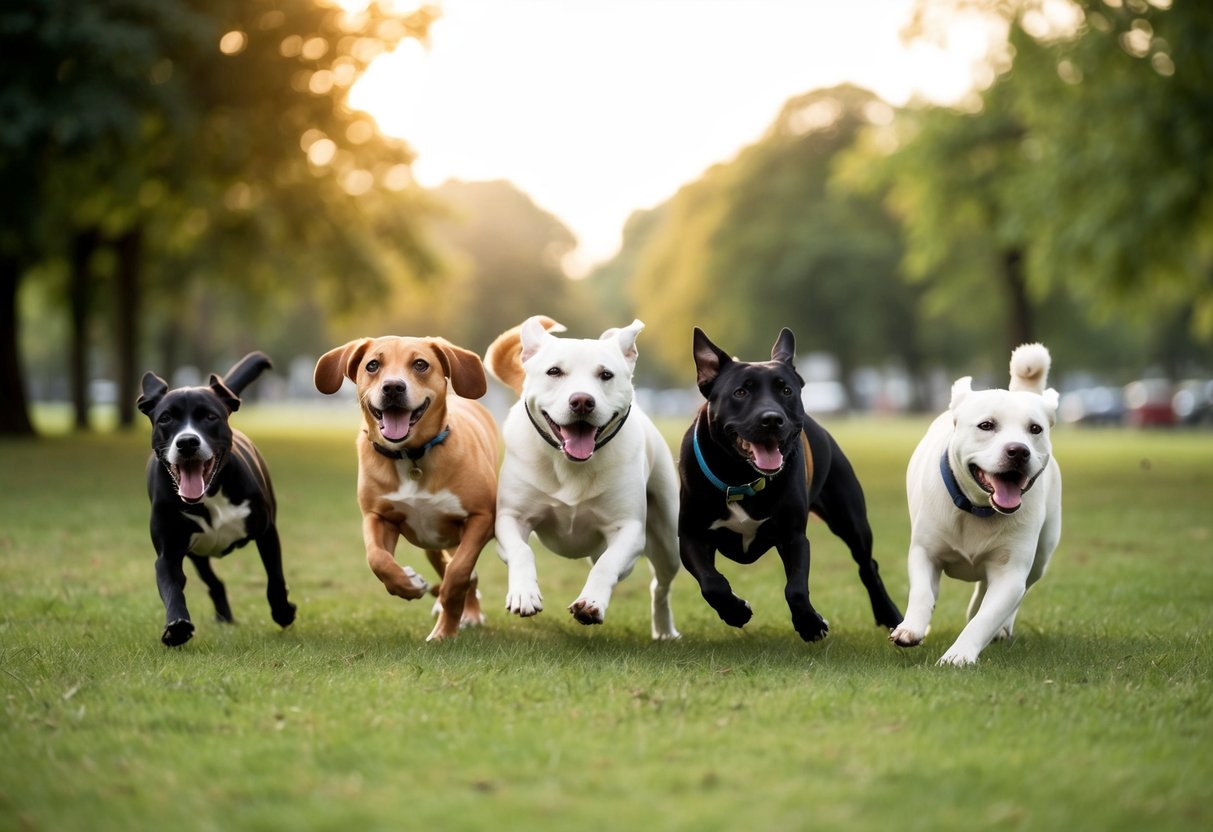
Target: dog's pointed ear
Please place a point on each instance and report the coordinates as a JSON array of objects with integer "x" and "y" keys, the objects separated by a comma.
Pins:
[
  {"x": 462, "y": 367},
  {"x": 154, "y": 389},
  {"x": 709, "y": 361},
  {"x": 1051, "y": 399},
  {"x": 961, "y": 388},
  {"x": 626, "y": 337},
  {"x": 230, "y": 400},
  {"x": 784, "y": 350},
  {"x": 532, "y": 334},
  {"x": 339, "y": 364}
]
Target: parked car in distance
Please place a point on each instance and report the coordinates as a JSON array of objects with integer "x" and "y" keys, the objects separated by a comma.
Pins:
[
  {"x": 1193, "y": 402},
  {"x": 1093, "y": 406},
  {"x": 1148, "y": 403}
]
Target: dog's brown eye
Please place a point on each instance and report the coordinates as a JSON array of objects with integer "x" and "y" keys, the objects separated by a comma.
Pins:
[
  {"x": 606, "y": 375},
  {"x": 740, "y": 393},
  {"x": 1035, "y": 428},
  {"x": 372, "y": 365},
  {"x": 986, "y": 425},
  {"x": 787, "y": 391},
  {"x": 421, "y": 365},
  {"x": 554, "y": 372}
]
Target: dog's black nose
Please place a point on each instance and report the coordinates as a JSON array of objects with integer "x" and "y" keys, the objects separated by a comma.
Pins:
[
  {"x": 772, "y": 419},
  {"x": 188, "y": 443},
  {"x": 581, "y": 403},
  {"x": 1017, "y": 452},
  {"x": 393, "y": 387}
]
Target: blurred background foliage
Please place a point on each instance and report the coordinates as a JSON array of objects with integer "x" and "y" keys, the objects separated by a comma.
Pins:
[{"x": 183, "y": 182}]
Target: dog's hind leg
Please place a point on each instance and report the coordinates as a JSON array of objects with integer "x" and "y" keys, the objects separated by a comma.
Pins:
[
  {"x": 281, "y": 609},
  {"x": 841, "y": 505},
  {"x": 218, "y": 593}
]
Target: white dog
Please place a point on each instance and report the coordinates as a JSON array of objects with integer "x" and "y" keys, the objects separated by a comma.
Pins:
[
  {"x": 584, "y": 469},
  {"x": 985, "y": 504}
]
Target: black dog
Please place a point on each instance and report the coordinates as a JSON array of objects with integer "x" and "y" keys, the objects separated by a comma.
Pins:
[
  {"x": 210, "y": 492},
  {"x": 752, "y": 467}
]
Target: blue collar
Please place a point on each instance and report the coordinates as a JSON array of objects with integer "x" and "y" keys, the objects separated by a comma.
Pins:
[
  {"x": 958, "y": 498},
  {"x": 413, "y": 454},
  {"x": 732, "y": 493}
]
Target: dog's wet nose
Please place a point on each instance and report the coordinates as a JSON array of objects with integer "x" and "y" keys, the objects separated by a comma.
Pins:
[
  {"x": 188, "y": 443},
  {"x": 581, "y": 403},
  {"x": 1017, "y": 452},
  {"x": 393, "y": 387},
  {"x": 772, "y": 420}
]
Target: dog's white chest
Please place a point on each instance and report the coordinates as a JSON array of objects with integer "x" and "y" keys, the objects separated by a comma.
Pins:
[
  {"x": 741, "y": 523},
  {"x": 430, "y": 514},
  {"x": 225, "y": 527}
]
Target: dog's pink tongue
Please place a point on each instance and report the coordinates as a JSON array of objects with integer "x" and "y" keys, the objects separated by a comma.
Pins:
[
  {"x": 768, "y": 457},
  {"x": 395, "y": 424},
  {"x": 1007, "y": 494},
  {"x": 579, "y": 440},
  {"x": 190, "y": 485}
]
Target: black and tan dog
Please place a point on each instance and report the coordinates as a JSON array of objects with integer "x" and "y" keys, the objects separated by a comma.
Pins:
[
  {"x": 210, "y": 493},
  {"x": 753, "y": 465}
]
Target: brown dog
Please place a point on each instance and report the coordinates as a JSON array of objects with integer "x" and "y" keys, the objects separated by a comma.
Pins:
[{"x": 427, "y": 463}]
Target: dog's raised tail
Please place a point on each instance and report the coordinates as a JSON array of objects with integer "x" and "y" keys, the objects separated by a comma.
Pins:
[
  {"x": 1030, "y": 368},
  {"x": 245, "y": 371},
  {"x": 504, "y": 355}
]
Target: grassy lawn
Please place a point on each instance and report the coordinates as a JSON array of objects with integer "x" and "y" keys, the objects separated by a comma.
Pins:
[{"x": 1099, "y": 715}]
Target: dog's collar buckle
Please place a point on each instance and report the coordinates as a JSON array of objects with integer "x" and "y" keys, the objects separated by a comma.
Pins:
[
  {"x": 732, "y": 493},
  {"x": 958, "y": 498},
  {"x": 414, "y": 455}
]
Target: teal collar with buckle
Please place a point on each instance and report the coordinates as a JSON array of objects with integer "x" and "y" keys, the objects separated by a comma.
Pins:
[{"x": 732, "y": 493}]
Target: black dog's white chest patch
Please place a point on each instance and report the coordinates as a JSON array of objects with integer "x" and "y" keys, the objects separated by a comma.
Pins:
[
  {"x": 741, "y": 523},
  {"x": 226, "y": 526}
]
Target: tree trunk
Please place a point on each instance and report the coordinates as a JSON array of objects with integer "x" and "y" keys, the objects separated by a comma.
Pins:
[
  {"x": 84, "y": 244},
  {"x": 129, "y": 249},
  {"x": 1021, "y": 325},
  {"x": 14, "y": 410}
]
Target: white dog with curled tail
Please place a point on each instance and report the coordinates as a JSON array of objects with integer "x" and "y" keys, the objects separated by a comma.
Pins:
[{"x": 985, "y": 504}]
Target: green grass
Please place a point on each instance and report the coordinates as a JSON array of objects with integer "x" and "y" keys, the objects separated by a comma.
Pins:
[{"x": 1097, "y": 716}]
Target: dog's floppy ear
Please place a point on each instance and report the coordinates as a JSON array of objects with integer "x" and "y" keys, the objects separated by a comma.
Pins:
[
  {"x": 1050, "y": 397},
  {"x": 626, "y": 336},
  {"x": 338, "y": 364},
  {"x": 154, "y": 389},
  {"x": 230, "y": 400},
  {"x": 961, "y": 388},
  {"x": 709, "y": 361},
  {"x": 462, "y": 367},
  {"x": 784, "y": 350},
  {"x": 533, "y": 332}
]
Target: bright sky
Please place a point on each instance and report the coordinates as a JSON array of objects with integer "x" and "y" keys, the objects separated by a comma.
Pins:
[{"x": 597, "y": 108}]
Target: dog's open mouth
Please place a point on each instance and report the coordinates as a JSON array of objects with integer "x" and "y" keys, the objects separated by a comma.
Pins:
[
  {"x": 193, "y": 477},
  {"x": 578, "y": 440},
  {"x": 395, "y": 423},
  {"x": 765, "y": 457},
  {"x": 1006, "y": 488}
]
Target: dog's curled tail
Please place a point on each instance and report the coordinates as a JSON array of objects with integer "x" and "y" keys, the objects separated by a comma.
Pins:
[
  {"x": 1030, "y": 368},
  {"x": 504, "y": 355},
  {"x": 245, "y": 371}
]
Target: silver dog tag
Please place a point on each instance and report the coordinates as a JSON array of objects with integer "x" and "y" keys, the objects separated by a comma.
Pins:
[{"x": 415, "y": 472}]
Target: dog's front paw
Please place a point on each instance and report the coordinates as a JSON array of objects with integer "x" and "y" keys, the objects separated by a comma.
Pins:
[
  {"x": 905, "y": 637},
  {"x": 524, "y": 601},
  {"x": 588, "y": 611},
  {"x": 956, "y": 658},
  {"x": 283, "y": 614},
  {"x": 734, "y": 611},
  {"x": 177, "y": 633},
  {"x": 810, "y": 625}
]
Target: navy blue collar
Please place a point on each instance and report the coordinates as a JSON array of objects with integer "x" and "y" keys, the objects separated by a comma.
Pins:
[
  {"x": 958, "y": 498},
  {"x": 732, "y": 493},
  {"x": 413, "y": 454}
]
